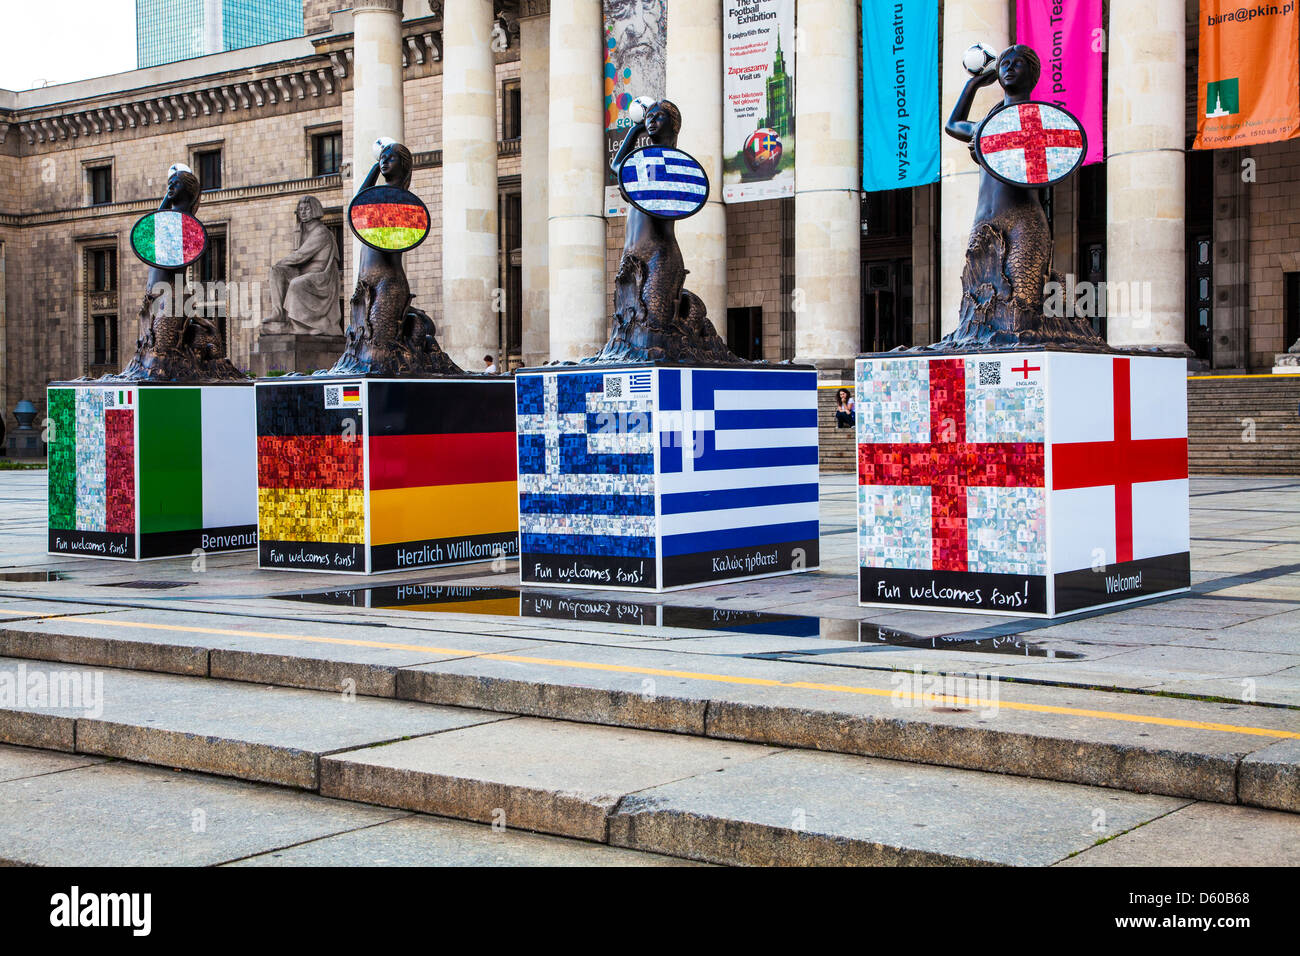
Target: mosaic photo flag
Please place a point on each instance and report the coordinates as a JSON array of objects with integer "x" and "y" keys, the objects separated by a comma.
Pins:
[
  {"x": 1248, "y": 74},
  {"x": 1030, "y": 144},
  {"x": 657, "y": 478},
  {"x": 1069, "y": 40},
  {"x": 168, "y": 239},
  {"x": 900, "y": 94},
  {"x": 663, "y": 182},
  {"x": 389, "y": 219},
  {"x": 1036, "y": 483},
  {"x": 758, "y": 70}
]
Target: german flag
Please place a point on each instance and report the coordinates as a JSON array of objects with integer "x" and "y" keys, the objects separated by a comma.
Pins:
[
  {"x": 389, "y": 218},
  {"x": 310, "y": 476},
  {"x": 442, "y": 463}
]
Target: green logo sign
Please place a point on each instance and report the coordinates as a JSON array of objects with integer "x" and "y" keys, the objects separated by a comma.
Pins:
[{"x": 1221, "y": 98}]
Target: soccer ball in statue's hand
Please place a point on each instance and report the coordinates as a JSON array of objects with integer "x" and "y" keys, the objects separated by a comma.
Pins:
[
  {"x": 980, "y": 58},
  {"x": 639, "y": 107},
  {"x": 378, "y": 145},
  {"x": 762, "y": 152}
]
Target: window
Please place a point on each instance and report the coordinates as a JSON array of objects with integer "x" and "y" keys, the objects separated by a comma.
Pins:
[
  {"x": 745, "y": 331},
  {"x": 511, "y": 110},
  {"x": 326, "y": 153},
  {"x": 103, "y": 270},
  {"x": 100, "y": 277},
  {"x": 105, "y": 344},
  {"x": 101, "y": 185},
  {"x": 1291, "y": 329},
  {"x": 211, "y": 268},
  {"x": 208, "y": 165}
]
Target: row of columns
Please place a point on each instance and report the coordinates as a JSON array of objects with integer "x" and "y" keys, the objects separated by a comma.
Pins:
[{"x": 563, "y": 167}]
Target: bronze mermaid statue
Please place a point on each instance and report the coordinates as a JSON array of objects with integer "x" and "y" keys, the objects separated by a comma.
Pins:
[
  {"x": 387, "y": 335},
  {"x": 655, "y": 317},
  {"x": 174, "y": 346},
  {"x": 1009, "y": 256}
]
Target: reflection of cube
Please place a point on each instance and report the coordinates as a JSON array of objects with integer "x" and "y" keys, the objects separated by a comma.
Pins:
[
  {"x": 1029, "y": 483},
  {"x": 140, "y": 470},
  {"x": 652, "y": 478},
  {"x": 370, "y": 475}
]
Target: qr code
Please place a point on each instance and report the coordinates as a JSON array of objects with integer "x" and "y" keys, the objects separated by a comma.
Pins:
[
  {"x": 990, "y": 373},
  {"x": 613, "y": 386},
  {"x": 333, "y": 396}
]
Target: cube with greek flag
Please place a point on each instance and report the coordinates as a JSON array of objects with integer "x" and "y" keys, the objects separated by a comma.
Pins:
[{"x": 655, "y": 478}]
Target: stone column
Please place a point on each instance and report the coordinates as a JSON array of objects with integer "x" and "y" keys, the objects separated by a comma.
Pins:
[
  {"x": 694, "y": 83},
  {"x": 534, "y": 89},
  {"x": 827, "y": 295},
  {"x": 1145, "y": 173},
  {"x": 964, "y": 24},
  {"x": 376, "y": 85},
  {"x": 470, "y": 271},
  {"x": 576, "y": 173}
]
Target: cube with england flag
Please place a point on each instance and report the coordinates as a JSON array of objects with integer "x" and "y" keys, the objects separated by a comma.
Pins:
[
  {"x": 1029, "y": 483},
  {"x": 148, "y": 470},
  {"x": 368, "y": 475}
]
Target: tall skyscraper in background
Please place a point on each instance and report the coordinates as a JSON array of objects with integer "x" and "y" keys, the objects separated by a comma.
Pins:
[{"x": 170, "y": 30}]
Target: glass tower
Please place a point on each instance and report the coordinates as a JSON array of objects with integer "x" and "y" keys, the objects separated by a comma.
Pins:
[{"x": 170, "y": 30}]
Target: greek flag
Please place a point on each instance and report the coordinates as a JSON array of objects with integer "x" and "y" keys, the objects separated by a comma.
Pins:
[
  {"x": 664, "y": 182},
  {"x": 586, "y": 465},
  {"x": 738, "y": 458}
]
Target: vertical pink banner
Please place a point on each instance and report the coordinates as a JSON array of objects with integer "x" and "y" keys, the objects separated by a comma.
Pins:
[{"x": 1067, "y": 35}]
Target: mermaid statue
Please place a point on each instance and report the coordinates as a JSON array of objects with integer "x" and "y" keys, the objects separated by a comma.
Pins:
[
  {"x": 387, "y": 335},
  {"x": 176, "y": 344},
  {"x": 655, "y": 317},
  {"x": 1009, "y": 257}
]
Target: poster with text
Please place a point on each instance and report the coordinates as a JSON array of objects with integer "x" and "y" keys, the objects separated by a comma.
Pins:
[
  {"x": 636, "y": 45},
  {"x": 758, "y": 99},
  {"x": 1067, "y": 36},
  {"x": 1248, "y": 74},
  {"x": 900, "y": 94}
]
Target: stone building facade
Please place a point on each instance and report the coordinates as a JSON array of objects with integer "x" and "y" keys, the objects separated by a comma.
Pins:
[{"x": 529, "y": 274}]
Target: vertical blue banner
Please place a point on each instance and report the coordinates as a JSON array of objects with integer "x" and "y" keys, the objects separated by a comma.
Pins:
[{"x": 900, "y": 95}]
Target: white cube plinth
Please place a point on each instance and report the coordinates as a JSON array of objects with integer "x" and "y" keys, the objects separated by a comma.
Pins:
[
  {"x": 1029, "y": 483},
  {"x": 660, "y": 477}
]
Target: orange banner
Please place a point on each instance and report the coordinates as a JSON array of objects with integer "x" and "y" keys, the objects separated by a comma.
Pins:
[{"x": 1248, "y": 76}]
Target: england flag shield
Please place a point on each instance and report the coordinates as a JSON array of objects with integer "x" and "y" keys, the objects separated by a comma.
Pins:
[
  {"x": 663, "y": 182},
  {"x": 1030, "y": 144}
]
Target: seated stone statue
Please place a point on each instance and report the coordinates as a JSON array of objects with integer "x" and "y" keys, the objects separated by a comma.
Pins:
[
  {"x": 305, "y": 284},
  {"x": 655, "y": 317}
]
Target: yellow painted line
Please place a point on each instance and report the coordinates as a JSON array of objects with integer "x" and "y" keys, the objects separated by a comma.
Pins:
[{"x": 896, "y": 693}]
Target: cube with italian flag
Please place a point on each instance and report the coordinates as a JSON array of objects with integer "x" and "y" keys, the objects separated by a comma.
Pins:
[{"x": 1028, "y": 483}]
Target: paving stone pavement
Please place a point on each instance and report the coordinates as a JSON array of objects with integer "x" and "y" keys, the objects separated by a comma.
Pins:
[{"x": 1196, "y": 697}]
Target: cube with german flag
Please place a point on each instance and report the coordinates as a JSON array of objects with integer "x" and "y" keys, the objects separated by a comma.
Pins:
[{"x": 374, "y": 475}]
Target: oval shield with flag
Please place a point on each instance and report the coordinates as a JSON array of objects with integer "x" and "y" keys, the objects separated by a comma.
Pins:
[
  {"x": 168, "y": 239},
  {"x": 389, "y": 219},
  {"x": 663, "y": 182},
  {"x": 1030, "y": 144}
]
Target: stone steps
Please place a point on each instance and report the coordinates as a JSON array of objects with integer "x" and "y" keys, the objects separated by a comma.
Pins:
[
  {"x": 678, "y": 795},
  {"x": 241, "y": 697}
]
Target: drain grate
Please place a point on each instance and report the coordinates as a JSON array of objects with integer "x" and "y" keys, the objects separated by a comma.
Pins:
[
  {"x": 148, "y": 585},
  {"x": 32, "y": 576}
]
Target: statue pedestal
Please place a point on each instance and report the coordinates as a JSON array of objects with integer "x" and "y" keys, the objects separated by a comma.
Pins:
[
  {"x": 1029, "y": 483},
  {"x": 1286, "y": 363},
  {"x": 367, "y": 475},
  {"x": 143, "y": 470},
  {"x": 280, "y": 353},
  {"x": 657, "y": 477}
]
